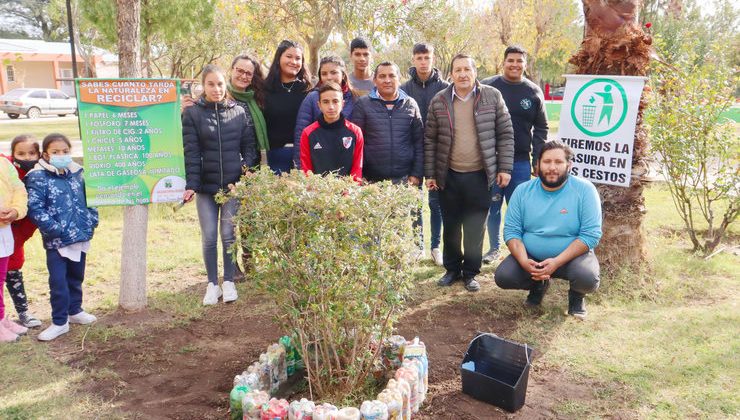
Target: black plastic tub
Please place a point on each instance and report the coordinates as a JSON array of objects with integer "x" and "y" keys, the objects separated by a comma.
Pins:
[{"x": 496, "y": 371}]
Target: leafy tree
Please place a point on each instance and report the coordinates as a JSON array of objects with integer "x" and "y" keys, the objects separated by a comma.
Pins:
[
  {"x": 431, "y": 22},
  {"x": 314, "y": 22},
  {"x": 87, "y": 37},
  {"x": 696, "y": 146},
  {"x": 548, "y": 29},
  {"x": 34, "y": 13},
  {"x": 163, "y": 22}
]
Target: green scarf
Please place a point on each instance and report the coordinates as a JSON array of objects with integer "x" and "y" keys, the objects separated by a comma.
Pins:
[{"x": 260, "y": 127}]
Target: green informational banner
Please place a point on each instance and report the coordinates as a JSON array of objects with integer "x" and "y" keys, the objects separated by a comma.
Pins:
[{"x": 132, "y": 141}]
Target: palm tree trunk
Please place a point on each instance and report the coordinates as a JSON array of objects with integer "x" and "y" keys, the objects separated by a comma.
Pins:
[{"x": 615, "y": 44}]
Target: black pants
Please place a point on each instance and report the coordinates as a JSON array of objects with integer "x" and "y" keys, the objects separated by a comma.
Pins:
[
  {"x": 14, "y": 283},
  {"x": 464, "y": 201},
  {"x": 582, "y": 272}
]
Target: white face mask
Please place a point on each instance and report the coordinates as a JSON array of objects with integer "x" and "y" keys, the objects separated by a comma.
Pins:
[{"x": 60, "y": 161}]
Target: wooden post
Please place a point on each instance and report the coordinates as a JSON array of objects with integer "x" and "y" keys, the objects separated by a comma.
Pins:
[{"x": 132, "y": 295}]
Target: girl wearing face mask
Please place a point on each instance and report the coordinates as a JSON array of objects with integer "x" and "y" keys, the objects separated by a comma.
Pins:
[
  {"x": 24, "y": 154},
  {"x": 331, "y": 69},
  {"x": 57, "y": 205},
  {"x": 219, "y": 144},
  {"x": 287, "y": 84}
]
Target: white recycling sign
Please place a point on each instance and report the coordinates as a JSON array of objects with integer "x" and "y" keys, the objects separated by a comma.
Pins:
[{"x": 597, "y": 120}]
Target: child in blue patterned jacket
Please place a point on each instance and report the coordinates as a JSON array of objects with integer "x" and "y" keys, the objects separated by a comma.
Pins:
[{"x": 57, "y": 205}]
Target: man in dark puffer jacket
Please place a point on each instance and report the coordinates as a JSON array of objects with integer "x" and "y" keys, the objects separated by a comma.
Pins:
[
  {"x": 391, "y": 123},
  {"x": 468, "y": 146}
]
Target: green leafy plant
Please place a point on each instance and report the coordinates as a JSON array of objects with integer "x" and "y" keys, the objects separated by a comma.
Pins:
[
  {"x": 334, "y": 256},
  {"x": 697, "y": 148}
]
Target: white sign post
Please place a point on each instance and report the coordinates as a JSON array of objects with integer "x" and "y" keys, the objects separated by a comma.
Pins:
[{"x": 597, "y": 120}]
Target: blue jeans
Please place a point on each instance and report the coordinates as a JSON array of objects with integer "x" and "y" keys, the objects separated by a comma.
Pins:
[
  {"x": 520, "y": 174},
  {"x": 280, "y": 160},
  {"x": 209, "y": 218},
  {"x": 65, "y": 285},
  {"x": 435, "y": 218}
]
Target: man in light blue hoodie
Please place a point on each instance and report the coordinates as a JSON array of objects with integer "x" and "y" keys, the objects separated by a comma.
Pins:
[{"x": 552, "y": 226}]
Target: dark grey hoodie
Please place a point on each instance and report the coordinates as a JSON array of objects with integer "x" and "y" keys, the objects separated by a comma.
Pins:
[{"x": 423, "y": 92}]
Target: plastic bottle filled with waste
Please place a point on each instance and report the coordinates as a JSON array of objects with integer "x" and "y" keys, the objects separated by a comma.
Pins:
[
  {"x": 275, "y": 409},
  {"x": 393, "y": 399},
  {"x": 299, "y": 364},
  {"x": 252, "y": 404},
  {"x": 374, "y": 410},
  {"x": 393, "y": 347},
  {"x": 325, "y": 411},
  {"x": 290, "y": 352},
  {"x": 416, "y": 349},
  {"x": 265, "y": 372},
  {"x": 415, "y": 364},
  {"x": 349, "y": 413},
  {"x": 301, "y": 410},
  {"x": 235, "y": 401},
  {"x": 412, "y": 377},
  {"x": 403, "y": 388},
  {"x": 276, "y": 354}
]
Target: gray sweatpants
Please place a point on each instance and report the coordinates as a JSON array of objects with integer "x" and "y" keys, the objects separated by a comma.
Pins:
[{"x": 582, "y": 272}]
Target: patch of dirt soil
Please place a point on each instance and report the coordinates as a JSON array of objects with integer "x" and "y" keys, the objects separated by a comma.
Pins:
[{"x": 184, "y": 370}]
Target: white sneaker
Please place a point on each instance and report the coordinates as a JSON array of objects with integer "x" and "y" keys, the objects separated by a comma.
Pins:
[
  {"x": 213, "y": 292},
  {"x": 82, "y": 318},
  {"x": 437, "y": 256},
  {"x": 230, "y": 294},
  {"x": 417, "y": 255},
  {"x": 53, "y": 332}
]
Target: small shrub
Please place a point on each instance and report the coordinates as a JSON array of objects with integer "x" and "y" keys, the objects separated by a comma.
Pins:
[
  {"x": 698, "y": 148},
  {"x": 334, "y": 256}
]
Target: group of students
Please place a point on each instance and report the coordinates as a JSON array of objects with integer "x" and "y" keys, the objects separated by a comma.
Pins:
[
  {"x": 364, "y": 124},
  {"x": 42, "y": 188}
]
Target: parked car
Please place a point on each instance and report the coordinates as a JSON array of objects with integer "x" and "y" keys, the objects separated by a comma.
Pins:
[
  {"x": 558, "y": 93},
  {"x": 36, "y": 102}
]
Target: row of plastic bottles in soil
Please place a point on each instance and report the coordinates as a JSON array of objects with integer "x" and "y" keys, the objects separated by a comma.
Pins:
[{"x": 400, "y": 400}]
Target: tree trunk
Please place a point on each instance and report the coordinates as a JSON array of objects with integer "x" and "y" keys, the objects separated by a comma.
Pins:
[
  {"x": 614, "y": 44},
  {"x": 133, "y": 249},
  {"x": 313, "y": 59}
]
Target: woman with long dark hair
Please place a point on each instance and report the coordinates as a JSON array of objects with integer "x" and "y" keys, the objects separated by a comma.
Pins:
[{"x": 286, "y": 85}]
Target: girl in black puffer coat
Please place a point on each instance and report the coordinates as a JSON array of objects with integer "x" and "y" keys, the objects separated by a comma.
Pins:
[{"x": 219, "y": 142}]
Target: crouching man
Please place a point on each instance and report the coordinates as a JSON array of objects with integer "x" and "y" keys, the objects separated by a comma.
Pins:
[{"x": 552, "y": 226}]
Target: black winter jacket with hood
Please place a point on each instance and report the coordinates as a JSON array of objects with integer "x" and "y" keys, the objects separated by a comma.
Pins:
[
  {"x": 219, "y": 141},
  {"x": 423, "y": 92}
]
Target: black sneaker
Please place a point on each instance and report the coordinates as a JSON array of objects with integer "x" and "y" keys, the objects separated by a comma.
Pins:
[
  {"x": 449, "y": 278},
  {"x": 537, "y": 292},
  {"x": 471, "y": 284},
  {"x": 576, "y": 305}
]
